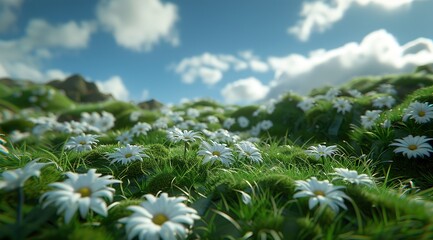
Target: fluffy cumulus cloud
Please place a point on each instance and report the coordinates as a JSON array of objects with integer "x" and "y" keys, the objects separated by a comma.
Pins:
[
  {"x": 22, "y": 57},
  {"x": 8, "y": 14},
  {"x": 377, "y": 54},
  {"x": 320, "y": 15},
  {"x": 139, "y": 24},
  {"x": 114, "y": 86},
  {"x": 244, "y": 91},
  {"x": 210, "y": 68}
]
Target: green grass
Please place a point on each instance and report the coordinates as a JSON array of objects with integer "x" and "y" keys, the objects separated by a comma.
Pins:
[{"x": 397, "y": 206}]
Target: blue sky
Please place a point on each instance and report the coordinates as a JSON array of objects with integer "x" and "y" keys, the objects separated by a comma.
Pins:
[{"x": 233, "y": 51}]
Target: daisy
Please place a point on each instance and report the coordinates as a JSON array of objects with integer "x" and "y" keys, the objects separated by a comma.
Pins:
[
  {"x": 354, "y": 93},
  {"x": 321, "y": 151},
  {"x": 243, "y": 122},
  {"x": 384, "y": 101},
  {"x": 105, "y": 122},
  {"x": 342, "y": 105},
  {"x": 387, "y": 88},
  {"x": 255, "y": 130},
  {"x": 222, "y": 135},
  {"x": 133, "y": 117},
  {"x": 266, "y": 124},
  {"x": 322, "y": 193},
  {"x": 212, "y": 119},
  {"x": 160, "y": 123},
  {"x": 13, "y": 179},
  {"x": 214, "y": 151},
  {"x": 127, "y": 154},
  {"x": 82, "y": 192},
  {"x": 420, "y": 112},
  {"x": 141, "y": 128},
  {"x": 81, "y": 143},
  {"x": 125, "y": 138},
  {"x": 332, "y": 93},
  {"x": 162, "y": 217},
  {"x": 228, "y": 123},
  {"x": 370, "y": 117},
  {"x": 306, "y": 104},
  {"x": 352, "y": 176},
  {"x": 411, "y": 146},
  {"x": 176, "y": 135},
  {"x": 192, "y": 113},
  {"x": 247, "y": 150}
]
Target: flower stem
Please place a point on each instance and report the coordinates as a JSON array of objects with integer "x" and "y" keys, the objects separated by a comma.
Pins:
[
  {"x": 184, "y": 152},
  {"x": 20, "y": 205}
]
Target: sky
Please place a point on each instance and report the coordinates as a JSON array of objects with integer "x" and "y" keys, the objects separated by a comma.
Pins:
[{"x": 232, "y": 51}]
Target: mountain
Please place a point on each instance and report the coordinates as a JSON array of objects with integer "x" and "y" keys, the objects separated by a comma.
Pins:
[{"x": 80, "y": 90}]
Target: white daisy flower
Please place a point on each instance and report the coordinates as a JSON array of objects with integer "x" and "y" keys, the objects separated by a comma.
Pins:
[
  {"x": 82, "y": 192},
  {"x": 125, "y": 138},
  {"x": 342, "y": 105},
  {"x": 420, "y": 112},
  {"x": 214, "y": 151},
  {"x": 141, "y": 128},
  {"x": 224, "y": 136},
  {"x": 369, "y": 119},
  {"x": 306, "y": 104},
  {"x": 247, "y": 150},
  {"x": 212, "y": 119},
  {"x": 352, "y": 176},
  {"x": 162, "y": 217},
  {"x": 127, "y": 154},
  {"x": 192, "y": 113},
  {"x": 387, "y": 88},
  {"x": 81, "y": 143},
  {"x": 228, "y": 123},
  {"x": 321, "y": 151},
  {"x": 255, "y": 131},
  {"x": 331, "y": 94},
  {"x": 16, "y": 178},
  {"x": 176, "y": 135},
  {"x": 266, "y": 124},
  {"x": 384, "y": 101},
  {"x": 133, "y": 117},
  {"x": 106, "y": 122},
  {"x": 160, "y": 123},
  {"x": 243, "y": 122},
  {"x": 321, "y": 193},
  {"x": 413, "y": 146},
  {"x": 354, "y": 93}
]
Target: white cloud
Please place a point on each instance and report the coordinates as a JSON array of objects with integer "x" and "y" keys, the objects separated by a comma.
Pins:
[
  {"x": 73, "y": 35},
  {"x": 139, "y": 24},
  {"x": 321, "y": 15},
  {"x": 210, "y": 68},
  {"x": 22, "y": 57},
  {"x": 8, "y": 13},
  {"x": 114, "y": 86},
  {"x": 244, "y": 91},
  {"x": 377, "y": 54},
  {"x": 258, "y": 66}
]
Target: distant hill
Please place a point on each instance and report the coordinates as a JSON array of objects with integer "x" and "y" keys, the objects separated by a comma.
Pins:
[{"x": 79, "y": 90}]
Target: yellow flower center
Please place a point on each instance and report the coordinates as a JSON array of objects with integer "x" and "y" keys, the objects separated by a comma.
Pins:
[
  {"x": 128, "y": 155},
  {"x": 83, "y": 142},
  {"x": 159, "y": 219},
  {"x": 421, "y": 113},
  {"x": 412, "y": 147},
  {"x": 216, "y": 153},
  {"x": 84, "y": 191},
  {"x": 319, "y": 193}
]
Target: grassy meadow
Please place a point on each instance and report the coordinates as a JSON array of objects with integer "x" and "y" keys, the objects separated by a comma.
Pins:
[{"x": 336, "y": 164}]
